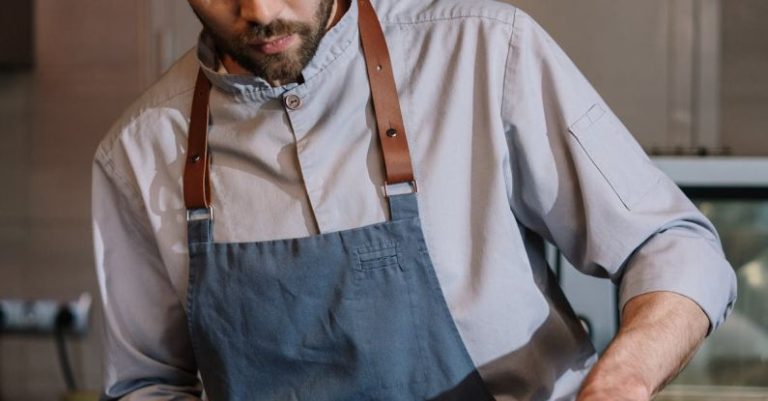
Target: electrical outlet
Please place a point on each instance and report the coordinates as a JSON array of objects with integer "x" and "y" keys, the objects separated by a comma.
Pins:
[{"x": 45, "y": 316}]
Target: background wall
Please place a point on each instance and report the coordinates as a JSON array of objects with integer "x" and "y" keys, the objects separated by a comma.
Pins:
[
  {"x": 52, "y": 117},
  {"x": 622, "y": 46},
  {"x": 744, "y": 94},
  {"x": 679, "y": 73},
  {"x": 93, "y": 58},
  {"x": 16, "y": 34}
]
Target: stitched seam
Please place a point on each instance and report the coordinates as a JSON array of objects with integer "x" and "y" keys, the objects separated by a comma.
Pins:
[
  {"x": 451, "y": 18},
  {"x": 124, "y": 185},
  {"x": 128, "y": 122},
  {"x": 191, "y": 302},
  {"x": 367, "y": 265},
  {"x": 507, "y": 74},
  {"x": 135, "y": 198},
  {"x": 105, "y": 149},
  {"x": 166, "y": 100},
  {"x": 144, "y": 110},
  {"x": 320, "y": 73}
]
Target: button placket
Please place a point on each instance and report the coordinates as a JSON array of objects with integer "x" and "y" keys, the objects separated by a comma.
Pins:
[
  {"x": 298, "y": 116},
  {"x": 300, "y": 122}
]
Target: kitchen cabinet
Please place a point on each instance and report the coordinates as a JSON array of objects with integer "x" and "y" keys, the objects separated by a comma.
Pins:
[{"x": 683, "y": 75}]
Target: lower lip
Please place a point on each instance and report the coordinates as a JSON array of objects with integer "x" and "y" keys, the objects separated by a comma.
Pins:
[{"x": 276, "y": 46}]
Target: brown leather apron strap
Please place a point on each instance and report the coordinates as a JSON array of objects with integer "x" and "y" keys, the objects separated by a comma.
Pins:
[
  {"x": 386, "y": 103},
  {"x": 197, "y": 187},
  {"x": 386, "y": 107}
]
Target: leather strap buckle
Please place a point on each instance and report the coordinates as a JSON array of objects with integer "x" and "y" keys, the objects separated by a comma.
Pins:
[
  {"x": 400, "y": 188},
  {"x": 200, "y": 214}
]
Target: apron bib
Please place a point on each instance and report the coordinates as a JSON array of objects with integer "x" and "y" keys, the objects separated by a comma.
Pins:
[{"x": 344, "y": 316}]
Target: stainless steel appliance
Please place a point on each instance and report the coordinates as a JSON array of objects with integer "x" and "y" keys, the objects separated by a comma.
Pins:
[{"x": 733, "y": 362}]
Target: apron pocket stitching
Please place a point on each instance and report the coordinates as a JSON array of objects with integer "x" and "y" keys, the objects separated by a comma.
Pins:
[{"x": 375, "y": 257}]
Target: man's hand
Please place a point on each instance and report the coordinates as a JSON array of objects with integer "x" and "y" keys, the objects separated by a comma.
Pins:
[{"x": 659, "y": 334}]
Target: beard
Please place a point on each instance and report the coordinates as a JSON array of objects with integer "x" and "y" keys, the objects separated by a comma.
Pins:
[{"x": 285, "y": 66}]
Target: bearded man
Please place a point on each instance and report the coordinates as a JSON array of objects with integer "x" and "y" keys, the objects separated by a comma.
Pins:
[{"x": 330, "y": 200}]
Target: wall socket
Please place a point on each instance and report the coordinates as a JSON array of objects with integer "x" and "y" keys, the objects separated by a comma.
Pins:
[{"x": 45, "y": 316}]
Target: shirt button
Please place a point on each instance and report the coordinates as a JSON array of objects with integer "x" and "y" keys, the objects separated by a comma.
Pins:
[{"x": 292, "y": 102}]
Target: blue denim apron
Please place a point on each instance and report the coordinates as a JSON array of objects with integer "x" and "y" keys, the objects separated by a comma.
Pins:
[{"x": 345, "y": 316}]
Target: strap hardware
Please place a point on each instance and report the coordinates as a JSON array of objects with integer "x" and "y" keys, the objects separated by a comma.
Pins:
[
  {"x": 398, "y": 168},
  {"x": 200, "y": 214},
  {"x": 400, "y": 188}
]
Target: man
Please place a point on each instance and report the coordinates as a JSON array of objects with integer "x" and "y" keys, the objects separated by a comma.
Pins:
[{"x": 316, "y": 283}]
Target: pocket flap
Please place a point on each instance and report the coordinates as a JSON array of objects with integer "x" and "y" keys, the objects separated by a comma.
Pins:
[{"x": 615, "y": 154}]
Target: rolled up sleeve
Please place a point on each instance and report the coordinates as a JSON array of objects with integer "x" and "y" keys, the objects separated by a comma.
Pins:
[
  {"x": 683, "y": 256},
  {"x": 578, "y": 178}
]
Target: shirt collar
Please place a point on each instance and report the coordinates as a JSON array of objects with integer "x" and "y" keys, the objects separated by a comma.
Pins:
[{"x": 250, "y": 87}]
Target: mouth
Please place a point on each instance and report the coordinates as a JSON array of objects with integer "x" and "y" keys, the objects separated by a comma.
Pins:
[{"x": 274, "y": 45}]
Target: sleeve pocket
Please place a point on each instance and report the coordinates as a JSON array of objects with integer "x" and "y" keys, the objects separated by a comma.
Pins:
[{"x": 615, "y": 154}]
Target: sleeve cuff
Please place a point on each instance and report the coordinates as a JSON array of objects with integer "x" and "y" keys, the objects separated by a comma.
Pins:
[{"x": 684, "y": 263}]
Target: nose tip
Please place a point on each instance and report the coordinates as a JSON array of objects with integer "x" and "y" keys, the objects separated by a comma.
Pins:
[{"x": 261, "y": 12}]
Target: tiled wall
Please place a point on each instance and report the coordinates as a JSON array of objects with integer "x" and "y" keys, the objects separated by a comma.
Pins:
[{"x": 52, "y": 119}]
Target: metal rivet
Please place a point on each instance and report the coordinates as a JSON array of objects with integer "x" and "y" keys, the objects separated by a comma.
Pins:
[
  {"x": 391, "y": 132},
  {"x": 292, "y": 102},
  {"x": 194, "y": 158},
  {"x": 379, "y": 68}
]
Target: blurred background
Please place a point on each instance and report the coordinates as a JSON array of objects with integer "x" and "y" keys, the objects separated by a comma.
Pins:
[{"x": 688, "y": 77}]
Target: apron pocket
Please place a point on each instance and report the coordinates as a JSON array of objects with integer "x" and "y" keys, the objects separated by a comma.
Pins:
[
  {"x": 375, "y": 257},
  {"x": 386, "y": 328}
]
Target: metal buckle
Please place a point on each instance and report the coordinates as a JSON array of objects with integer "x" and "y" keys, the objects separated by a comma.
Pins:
[
  {"x": 200, "y": 214},
  {"x": 400, "y": 188}
]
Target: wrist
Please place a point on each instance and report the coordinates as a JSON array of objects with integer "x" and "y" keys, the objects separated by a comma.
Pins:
[
  {"x": 614, "y": 389},
  {"x": 614, "y": 379}
]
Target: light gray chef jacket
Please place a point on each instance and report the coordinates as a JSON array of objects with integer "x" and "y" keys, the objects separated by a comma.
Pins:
[{"x": 510, "y": 144}]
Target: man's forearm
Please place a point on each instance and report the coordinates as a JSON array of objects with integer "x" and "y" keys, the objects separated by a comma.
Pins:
[{"x": 659, "y": 334}]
